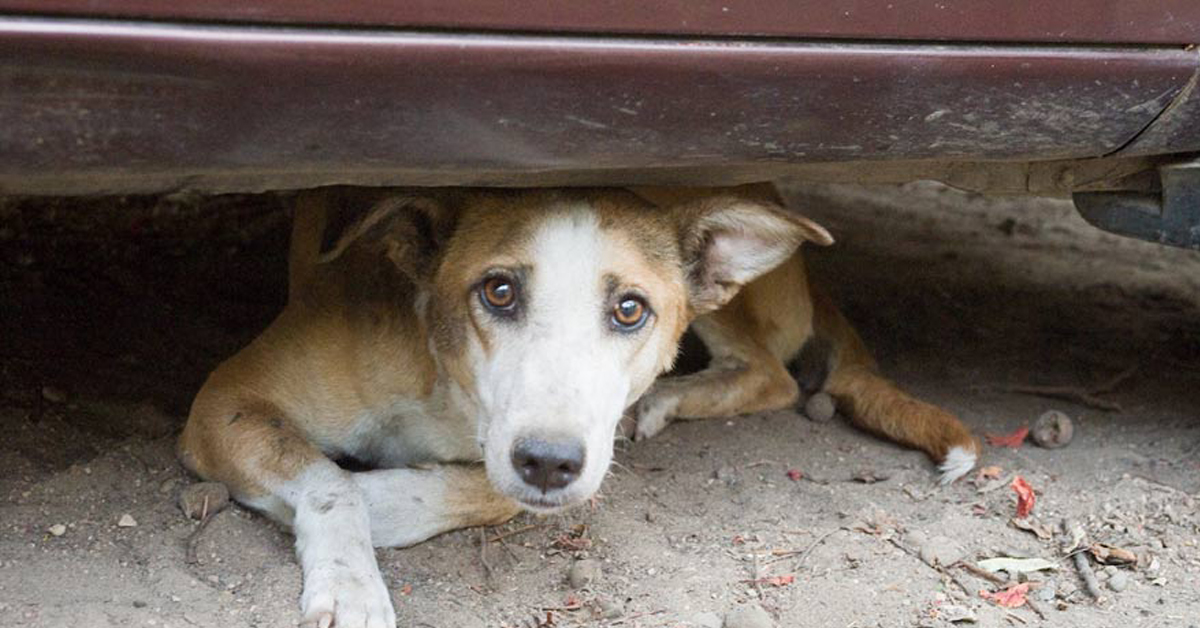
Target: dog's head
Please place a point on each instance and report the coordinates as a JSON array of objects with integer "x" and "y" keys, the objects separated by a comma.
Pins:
[{"x": 551, "y": 312}]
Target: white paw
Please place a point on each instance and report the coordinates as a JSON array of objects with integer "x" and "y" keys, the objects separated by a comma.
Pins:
[
  {"x": 653, "y": 415},
  {"x": 343, "y": 597}
]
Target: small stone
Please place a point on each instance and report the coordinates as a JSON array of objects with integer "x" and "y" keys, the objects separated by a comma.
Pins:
[
  {"x": 53, "y": 395},
  {"x": 584, "y": 573},
  {"x": 1053, "y": 430},
  {"x": 168, "y": 485},
  {"x": 203, "y": 499},
  {"x": 1110, "y": 570},
  {"x": 941, "y": 551},
  {"x": 57, "y": 529},
  {"x": 820, "y": 407},
  {"x": 957, "y": 614},
  {"x": 727, "y": 474},
  {"x": 126, "y": 521},
  {"x": 1046, "y": 592},
  {"x": 1119, "y": 581},
  {"x": 706, "y": 619},
  {"x": 611, "y": 609},
  {"x": 748, "y": 616}
]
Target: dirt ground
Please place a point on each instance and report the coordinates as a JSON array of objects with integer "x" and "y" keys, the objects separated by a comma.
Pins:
[{"x": 113, "y": 310}]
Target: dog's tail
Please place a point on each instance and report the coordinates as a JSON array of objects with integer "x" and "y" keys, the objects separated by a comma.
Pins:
[
  {"x": 877, "y": 405},
  {"x": 308, "y": 231}
]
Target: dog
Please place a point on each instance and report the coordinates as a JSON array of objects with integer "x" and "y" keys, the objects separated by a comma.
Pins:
[{"x": 478, "y": 348}]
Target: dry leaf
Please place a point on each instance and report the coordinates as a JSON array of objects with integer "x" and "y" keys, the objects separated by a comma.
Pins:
[
  {"x": 1025, "y": 497},
  {"x": 1110, "y": 555},
  {"x": 1013, "y": 440},
  {"x": 990, "y": 473},
  {"x": 775, "y": 581},
  {"x": 1042, "y": 531}
]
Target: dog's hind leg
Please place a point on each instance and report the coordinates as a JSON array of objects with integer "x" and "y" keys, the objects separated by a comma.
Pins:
[
  {"x": 877, "y": 405},
  {"x": 748, "y": 340}
]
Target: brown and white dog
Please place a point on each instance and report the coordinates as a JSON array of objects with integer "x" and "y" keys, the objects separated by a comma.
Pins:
[{"x": 514, "y": 328}]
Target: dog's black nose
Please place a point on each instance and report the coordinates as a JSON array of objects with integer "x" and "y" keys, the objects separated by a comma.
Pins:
[{"x": 547, "y": 465}]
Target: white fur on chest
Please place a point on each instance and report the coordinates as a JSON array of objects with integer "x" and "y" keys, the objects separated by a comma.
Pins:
[{"x": 411, "y": 432}]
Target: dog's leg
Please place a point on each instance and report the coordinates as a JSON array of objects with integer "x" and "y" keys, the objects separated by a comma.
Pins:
[
  {"x": 743, "y": 377},
  {"x": 408, "y": 506},
  {"x": 877, "y": 405},
  {"x": 269, "y": 465}
]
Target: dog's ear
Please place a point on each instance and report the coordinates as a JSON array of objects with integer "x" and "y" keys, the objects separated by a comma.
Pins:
[
  {"x": 411, "y": 231},
  {"x": 729, "y": 241}
]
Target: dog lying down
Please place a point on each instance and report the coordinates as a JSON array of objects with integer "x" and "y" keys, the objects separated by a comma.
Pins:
[{"x": 478, "y": 348}]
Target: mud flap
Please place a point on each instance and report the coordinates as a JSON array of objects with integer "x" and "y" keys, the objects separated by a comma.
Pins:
[{"x": 1171, "y": 216}]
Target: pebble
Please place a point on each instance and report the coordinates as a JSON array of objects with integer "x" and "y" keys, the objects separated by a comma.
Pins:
[
  {"x": 126, "y": 521},
  {"x": 707, "y": 619},
  {"x": 53, "y": 395},
  {"x": 748, "y": 616},
  {"x": 941, "y": 551},
  {"x": 1119, "y": 581},
  {"x": 1053, "y": 430},
  {"x": 192, "y": 499},
  {"x": 583, "y": 573},
  {"x": 1046, "y": 592},
  {"x": 727, "y": 474},
  {"x": 820, "y": 407},
  {"x": 612, "y": 609},
  {"x": 57, "y": 529},
  {"x": 168, "y": 485},
  {"x": 956, "y": 613}
]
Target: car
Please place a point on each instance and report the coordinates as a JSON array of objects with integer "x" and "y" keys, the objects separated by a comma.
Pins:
[{"x": 1095, "y": 99}]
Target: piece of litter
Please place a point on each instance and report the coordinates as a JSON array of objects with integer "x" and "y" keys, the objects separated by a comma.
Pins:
[
  {"x": 1012, "y": 441},
  {"x": 1025, "y": 497},
  {"x": 127, "y": 521},
  {"x": 1017, "y": 565},
  {"x": 1012, "y": 597},
  {"x": 795, "y": 475},
  {"x": 57, "y": 529}
]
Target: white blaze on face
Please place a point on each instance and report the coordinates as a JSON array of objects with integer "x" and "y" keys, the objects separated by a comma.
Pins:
[{"x": 558, "y": 370}]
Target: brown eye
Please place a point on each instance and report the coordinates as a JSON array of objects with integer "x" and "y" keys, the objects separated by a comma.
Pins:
[
  {"x": 629, "y": 313},
  {"x": 499, "y": 293}
]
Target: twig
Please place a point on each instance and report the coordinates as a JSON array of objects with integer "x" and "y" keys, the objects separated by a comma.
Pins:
[
  {"x": 757, "y": 576},
  {"x": 808, "y": 550},
  {"x": 1035, "y": 608},
  {"x": 527, "y": 528},
  {"x": 1083, "y": 396},
  {"x": 981, "y": 572},
  {"x": 483, "y": 545},
  {"x": 1081, "y": 563},
  {"x": 193, "y": 540},
  {"x": 504, "y": 544},
  {"x": 943, "y": 572}
]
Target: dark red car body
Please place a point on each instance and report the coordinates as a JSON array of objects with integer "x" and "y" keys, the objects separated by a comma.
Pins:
[{"x": 119, "y": 96}]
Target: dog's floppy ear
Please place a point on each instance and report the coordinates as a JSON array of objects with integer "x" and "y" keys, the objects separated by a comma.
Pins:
[
  {"x": 728, "y": 241},
  {"x": 410, "y": 230}
]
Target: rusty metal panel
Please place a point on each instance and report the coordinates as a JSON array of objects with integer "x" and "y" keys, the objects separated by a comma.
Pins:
[
  {"x": 85, "y": 101},
  {"x": 1177, "y": 130},
  {"x": 1063, "y": 21}
]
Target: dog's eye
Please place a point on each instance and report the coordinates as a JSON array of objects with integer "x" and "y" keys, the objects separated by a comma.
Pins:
[
  {"x": 499, "y": 294},
  {"x": 629, "y": 313}
]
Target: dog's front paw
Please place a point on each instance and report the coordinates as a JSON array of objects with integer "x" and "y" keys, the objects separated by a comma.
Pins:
[
  {"x": 653, "y": 415},
  {"x": 344, "y": 598}
]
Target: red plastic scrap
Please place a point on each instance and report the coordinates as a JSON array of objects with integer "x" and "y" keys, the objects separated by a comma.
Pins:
[
  {"x": 1012, "y": 597},
  {"x": 1012, "y": 441},
  {"x": 1025, "y": 496}
]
